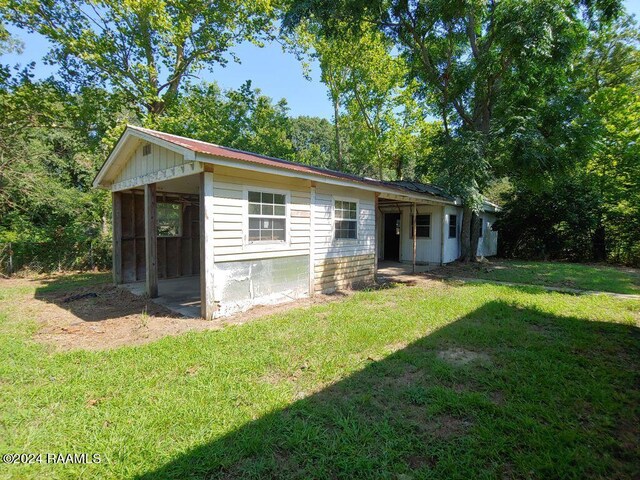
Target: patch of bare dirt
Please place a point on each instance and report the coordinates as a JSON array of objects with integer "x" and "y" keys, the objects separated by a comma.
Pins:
[
  {"x": 102, "y": 316},
  {"x": 461, "y": 356}
]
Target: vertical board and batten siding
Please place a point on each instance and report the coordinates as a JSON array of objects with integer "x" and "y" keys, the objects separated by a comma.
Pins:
[
  {"x": 488, "y": 243},
  {"x": 343, "y": 263},
  {"x": 158, "y": 160},
  {"x": 428, "y": 250},
  {"x": 452, "y": 245}
]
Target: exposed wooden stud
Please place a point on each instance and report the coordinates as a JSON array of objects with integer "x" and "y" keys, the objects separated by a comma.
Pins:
[
  {"x": 117, "y": 236},
  {"x": 415, "y": 236},
  {"x": 207, "y": 301},
  {"x": 150, "y": 239}
]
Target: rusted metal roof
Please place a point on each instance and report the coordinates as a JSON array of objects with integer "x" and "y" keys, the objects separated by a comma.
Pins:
[{"x": 199, "y": 146}]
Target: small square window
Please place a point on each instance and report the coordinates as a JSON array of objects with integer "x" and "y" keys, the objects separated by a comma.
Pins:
[
  {"x": 423, "y": 226},
  {"x": 146, "y": 150},
  {"x": 267, "y": 216}
]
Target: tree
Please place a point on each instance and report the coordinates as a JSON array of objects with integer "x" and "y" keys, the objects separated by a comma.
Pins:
[
  {"x": 376, "y": 118},
  {"x": 50, "y": 149},
  {"x": 474, "y": 61},
  {"x": 144, "y": 50},
  {"x": 312, "y": 141},
  {"x": 590, "y": 208},
  {"x": 243, "y": 119}
]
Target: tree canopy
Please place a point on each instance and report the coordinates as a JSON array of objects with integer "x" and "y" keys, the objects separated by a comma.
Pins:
[
  {"x": 533, "y": 104},
  {"x": 143, "y": 49}
]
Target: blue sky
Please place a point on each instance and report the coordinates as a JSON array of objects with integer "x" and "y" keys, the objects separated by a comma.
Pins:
[{"x": 276, "y": 73}]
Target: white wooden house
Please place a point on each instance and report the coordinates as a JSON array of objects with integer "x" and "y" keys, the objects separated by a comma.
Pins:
[{"x": 253, "y": 229}]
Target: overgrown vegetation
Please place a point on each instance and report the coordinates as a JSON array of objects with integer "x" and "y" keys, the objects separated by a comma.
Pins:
[
  {"x": 448, "y": 381},
  {"x": 535, "y": 104}
]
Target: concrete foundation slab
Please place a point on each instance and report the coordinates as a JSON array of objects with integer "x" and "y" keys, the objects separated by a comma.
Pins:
[{"x": 180, "y": 295}]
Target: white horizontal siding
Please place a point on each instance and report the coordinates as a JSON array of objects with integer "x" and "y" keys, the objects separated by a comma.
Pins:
[
  {"x": 230, "y": 213},
  {"x": 325, "y": 245}
]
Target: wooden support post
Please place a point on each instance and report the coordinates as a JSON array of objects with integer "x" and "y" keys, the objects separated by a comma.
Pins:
[
  {"x": 312, "y": 245},
  {"x": 415, "y": 236},
  {"x": 116, "y": 232},
  {"x": 376, "y": 243},
  {"x": 207, "y": 300},
  {"x": 134, "y": 234},
  {"x": 151, "y": 239}
]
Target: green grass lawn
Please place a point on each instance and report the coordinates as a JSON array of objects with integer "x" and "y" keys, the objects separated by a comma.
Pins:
[
  {"x": 428, "y": 381},
  {"x": 556, "y": 274}
]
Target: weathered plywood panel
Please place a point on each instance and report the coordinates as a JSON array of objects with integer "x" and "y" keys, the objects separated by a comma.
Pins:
[
  {"x": 452, "y": 244},
  {"x": 488, "y": 243},
  {"x": 428, "y": 250}
]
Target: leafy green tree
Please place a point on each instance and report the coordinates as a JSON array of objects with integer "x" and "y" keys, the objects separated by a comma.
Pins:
[
  {"x": 143, "y": 49},
  {"x": 50, "y": 149},
  {"x": 376, "y": 118},
  {"x": 312, "y": 141},
  {"x": 474, "y": 61},
  {"x": 590, "y": 208},
  {"x": 243, "y": 119}
]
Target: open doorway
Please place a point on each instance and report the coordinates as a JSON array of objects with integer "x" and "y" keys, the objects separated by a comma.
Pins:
[{"x": 392, "y": 236}]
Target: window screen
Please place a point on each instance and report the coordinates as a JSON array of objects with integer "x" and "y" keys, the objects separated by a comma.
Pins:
[
  {"x": 423, "y": 226},
  {"x": 346, "y": 220},
  {"x": 267, "y": 216},
  {"x": 169, "y": 219},
  {"x": 453, "y": 226}
]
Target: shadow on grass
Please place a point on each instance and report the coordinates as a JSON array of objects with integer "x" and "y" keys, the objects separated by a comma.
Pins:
[
  {"x": 504, "y": 392},
  {"x": 92, "y": 297}
]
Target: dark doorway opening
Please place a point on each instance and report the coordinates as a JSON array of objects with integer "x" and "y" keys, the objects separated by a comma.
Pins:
[{"x": 392, "y": 236}]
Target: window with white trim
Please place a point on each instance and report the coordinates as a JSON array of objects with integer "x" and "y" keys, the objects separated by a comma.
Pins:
[
  {"x": 345, "y": 220},
  {"x": 267, "y": 216}
]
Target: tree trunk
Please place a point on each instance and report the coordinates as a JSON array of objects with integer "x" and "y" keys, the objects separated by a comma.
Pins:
[
  {"x": 475, "y": 235},
  {"x": 398, "y": 164},
  {"x": 336, "y": 117},
  {"x": 465, "y": 235}
]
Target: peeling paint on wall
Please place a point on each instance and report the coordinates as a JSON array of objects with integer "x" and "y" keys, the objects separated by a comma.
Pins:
[{"x": 243, "y": 284}]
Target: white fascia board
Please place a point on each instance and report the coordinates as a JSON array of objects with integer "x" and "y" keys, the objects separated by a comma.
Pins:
[{"x": 383, "y": 191}]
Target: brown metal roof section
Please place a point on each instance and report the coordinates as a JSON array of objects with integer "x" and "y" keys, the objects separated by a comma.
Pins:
[{"x": 231, "y": 153}]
